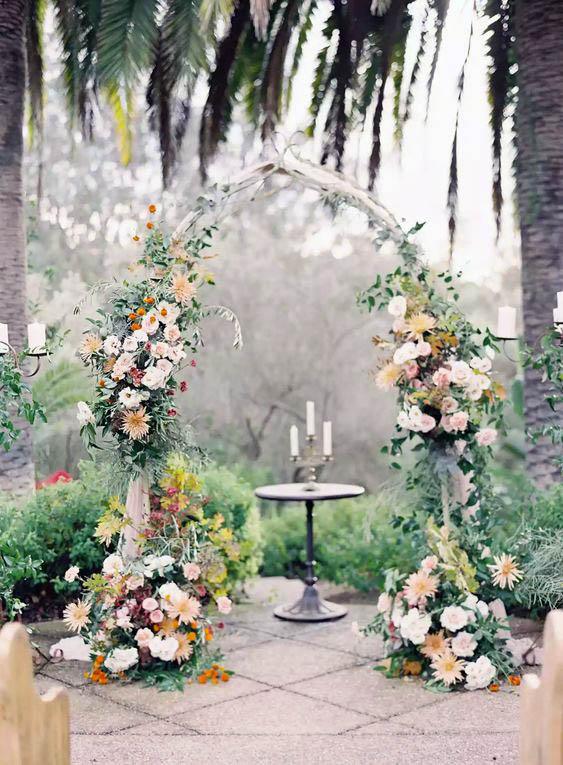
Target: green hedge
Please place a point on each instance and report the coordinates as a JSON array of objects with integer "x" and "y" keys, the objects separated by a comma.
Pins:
[{"x": 354, "y": 541}]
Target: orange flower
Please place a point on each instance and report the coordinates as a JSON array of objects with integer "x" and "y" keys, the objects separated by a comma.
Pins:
[
  {"x": 208, "y": 634},
  {"x": 136, "y": 238},
  {"x": 135, "y": 326},
  {"x": 202, "y": 679},
  {"x": 152, "y": 208},
  {"x": 191, "y": 636},
  {"x": 514, "y": 679},
  {"x": 141, "y": 311},
  {"x": 149, "y": 300},
  {"x": 102, "y": 383},
  {"x": 412, "y": 667},
  {"x": 225, "y": 677},
  {"x": 132, "y": 316},
  {"x": 150, "y": 225},
  {"x": 494, "y": 687}
]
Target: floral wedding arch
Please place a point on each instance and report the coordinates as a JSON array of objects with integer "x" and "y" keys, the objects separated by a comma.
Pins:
[{"x": 147, "y": 614}]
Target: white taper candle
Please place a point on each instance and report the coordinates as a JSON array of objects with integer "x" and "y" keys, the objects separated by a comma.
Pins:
[
  {"x": 294, "y": 441},
  {"x": 4, "y": 340},
  {"x": 560, "y": 300},
  {"x": 558, "y": 315},
  {"x": 36, "y": 337},
  {"x": 310, "y": 418},
  {"x": 506, "y": 322},
  {"x": 327, "y": 438}
]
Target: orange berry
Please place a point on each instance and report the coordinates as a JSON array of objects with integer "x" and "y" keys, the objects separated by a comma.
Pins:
[
  {"x": 202, "y": 679},
  {"x": 135, "y": 326},
  {"x": 132, "y": 316},
  {"x": 150, "y": 225},
  {"x": 152, "y": 208},
  {"x": 163, "y": 312},
  {"x": 494, "y": 687},
  {"x": 225, "y": 677},
  {"x": 514, "y": 679},
  {"x": 141, "y": 311},
  {"x": 149, "y": 300},
  {"x": 191, "y": 636},
  {"x": 102, "y": 383},
  {"x": 136, "y": 238}
]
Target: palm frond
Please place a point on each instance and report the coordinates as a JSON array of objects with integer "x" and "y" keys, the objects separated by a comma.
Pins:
[
  {"x": 34, "y": 53},
  {"x": 260, "y": 13},
  {"x": 214, "y": 118},
  {"x": 210, "y": 11},
  {"x": 61, "y": 386},
  {"x": 272, "y": 81},
  {"x": 499, "y": 45},
  {"x": 441, "y": 8},
  {"x": 304, "y": 25},
  {"x": 122, "y": 112}
]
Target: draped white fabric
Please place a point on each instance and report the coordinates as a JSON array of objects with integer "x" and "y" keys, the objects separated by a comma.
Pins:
[{"x": 137, "y": 509}]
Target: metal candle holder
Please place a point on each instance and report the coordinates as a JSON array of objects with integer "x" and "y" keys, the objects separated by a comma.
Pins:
[
  {"x": 6, "y": 347},
  {"x": 311, "y": 459}
]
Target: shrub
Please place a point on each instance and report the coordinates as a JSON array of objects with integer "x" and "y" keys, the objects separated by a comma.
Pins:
[
  {"x": 56, "y": 527},
  {"x": 354, "y": 541},
  {"x": 234, "y": 499}
]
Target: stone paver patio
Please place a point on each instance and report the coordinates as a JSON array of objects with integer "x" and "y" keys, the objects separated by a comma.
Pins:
[{"x": 302, "y": 693}]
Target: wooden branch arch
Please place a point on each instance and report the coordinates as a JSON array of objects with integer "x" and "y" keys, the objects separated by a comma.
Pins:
[{"x": 319, "y": 178}]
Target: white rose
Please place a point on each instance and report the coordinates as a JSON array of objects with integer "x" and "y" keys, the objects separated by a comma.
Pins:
[
  {"x": 113, "y": 565},
  {"x": 84, "y": 414},
  {"x": 415, "y": 626},
  {"x": 464, "y": 644},
  {"x": 403, "y": 420},
  {"x": 423, "y": 348},
  {"x": 121, "y": 659},
  {"x": 140, "y": 336},
  {"x": 384, "y": 603},
  {"x": 460, "y": 373},
  {"x": 483, "y": 608},
  {"x": 71, "y": 573},
  {"x": 454, "y": 618},
  {"x": 123, "y": 364},
  {"x": 163, "y": 648},
  {"x": 176, "y": 353},
  {"x": 112, "y": 345},
  {"x": 473, "y": 389},
  {"x": 479, "y": 673},
  {"x": 160, "y": 349},
  {"x": 130, "y": 344},
  {"x": 481, "y": 365},
  {"x": 397, "y": 306},
  {"x": 404, "y": 353},
  {"x": 484, "y": 382},
  {"x": 144, "y": 636},
  {"x": 165, "y": 366},
  {"x": 154, "y": 378}
]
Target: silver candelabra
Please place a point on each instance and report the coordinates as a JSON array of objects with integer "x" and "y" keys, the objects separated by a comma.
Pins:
[{"x": 311, "y": 459}]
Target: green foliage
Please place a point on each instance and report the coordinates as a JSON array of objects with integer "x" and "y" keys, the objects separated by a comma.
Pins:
[
  {"x": 14, "y": 568},
  {"x": 354, "y": 541},
  {"x": 56, "y": 526},
  {"x": 16, "y": 401},
  {"x": 233, "y": 498},
  {"x": 61, "y": 386}
]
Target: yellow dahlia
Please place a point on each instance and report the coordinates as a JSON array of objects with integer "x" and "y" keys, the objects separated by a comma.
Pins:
[
  {"x": 76, "y": 615},
  {"x": 185, "y": 648},
  {"x": 387, "y": 376},
  {"x": 435, "y": 644},
  {"x": 135, "y": 423},
  {"x": 447, "y": 668},
  {"x": 505, "y": 571},
  {"x": 420, "y": 586},
  {"x": 418, "y": 324},
  {"x": 90, "y": 344},
  {"x": 184, "y": 608},
  {"x": 182, "y": 288}
]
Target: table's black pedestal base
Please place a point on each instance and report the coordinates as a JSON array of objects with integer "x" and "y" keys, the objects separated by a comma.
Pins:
[{"x": 310, "y": 608}]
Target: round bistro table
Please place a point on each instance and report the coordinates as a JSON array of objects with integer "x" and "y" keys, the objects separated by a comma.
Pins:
[{"x": 310, "y": 607}]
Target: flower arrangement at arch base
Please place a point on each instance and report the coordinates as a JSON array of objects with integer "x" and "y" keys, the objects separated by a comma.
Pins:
[
  {"x": 445, "y": 620},
  {"x": 147, "y": 617}
]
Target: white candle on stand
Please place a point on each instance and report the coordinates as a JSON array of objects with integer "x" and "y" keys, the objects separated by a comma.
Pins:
[
  {"x": 36, "y": 337},
  {"x": 560, "y": 300},
  {"x": 310, "y": 418},
  {"x": 294, "y": 441},
  {"x": 327, "y": 438},
  {"x": 558, "y": 315},
  {"x": 506, "y": 322},
  {"x": 4, "y": 338}
]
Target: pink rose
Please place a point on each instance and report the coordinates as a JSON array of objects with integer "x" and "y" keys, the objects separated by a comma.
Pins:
[
  {"x": 150, "y": 604},
  {"x": 486, "y": 436},
  {"x": 411, "y": 370},
  {"x": 157, "y": 616},
  {"x": 192, "y": 571},
  {"x": 448, "y": 405},
  {"x": 426, "y": 423},
  {"x": 458, "y": 421},
  {"x": 423, "y": 348},
  {"x": 441, "y": 377},
  {"x": 429, "y": 563},
  {"x": 143, "y": 637},
  {"x": 224, "y": 604}
]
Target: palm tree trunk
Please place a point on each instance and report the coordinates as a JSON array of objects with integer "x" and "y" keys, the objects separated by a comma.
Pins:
[
  {"x": 16, "y": 466},
  {"x": 539, "y": 178}
]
